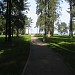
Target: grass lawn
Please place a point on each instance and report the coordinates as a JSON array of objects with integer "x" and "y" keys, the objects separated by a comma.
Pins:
[
  {"x": 65, "y": 46},
  {"x": 13, "y": 56}
]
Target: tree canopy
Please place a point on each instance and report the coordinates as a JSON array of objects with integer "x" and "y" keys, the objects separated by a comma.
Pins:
[
  {"x": 47, "y": 15},
  {"x": 14, "y": 16}
]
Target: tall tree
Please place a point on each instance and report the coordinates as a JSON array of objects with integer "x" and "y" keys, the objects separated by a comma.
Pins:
[
  {"x": 9, "y": 20},
  {"x": 71, "y": 16},
  {"x": 41, "y": 9},
  {"x": 14, "y": 9},
  {"x": 48, "y": 9},
  {"x": 52, "y": 15},
  {"x": 72, "y": 4}
]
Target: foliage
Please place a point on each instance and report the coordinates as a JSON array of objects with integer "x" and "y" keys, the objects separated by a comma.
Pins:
[
  {"x": 41, "y": 22},
  {"x": 29, "y": 22},
  {"x": 46, "y": 11},
  {"x": 72, "y": 14},
  {"x": 20, "y": 20},
  {"x": 62, "y": 28},
  {"x": 16, "y": 16}
]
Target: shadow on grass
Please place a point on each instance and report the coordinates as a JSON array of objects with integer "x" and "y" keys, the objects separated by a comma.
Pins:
[
  {"x": 64, "y": 46},
  {"x": 13, "y": 56}
]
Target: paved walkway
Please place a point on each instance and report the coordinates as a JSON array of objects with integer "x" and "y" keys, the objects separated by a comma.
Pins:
[{"x": 43, "y": 61}]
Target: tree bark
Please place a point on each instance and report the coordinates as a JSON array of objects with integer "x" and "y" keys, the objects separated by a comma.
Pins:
[
  {"x": 9, "y": 25},
  {"x": 7, "y": 18},
  {"x": 52, "y": 28},
  {"x": 12, "y": 32},
  {"x": 17, "y": 32},
  {"x": 70, "y": 30},
  {"x": 48, "y": 30},
  {"x": 45, "y": 24}
]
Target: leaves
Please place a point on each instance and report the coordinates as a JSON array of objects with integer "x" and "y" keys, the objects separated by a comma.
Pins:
[
  {"x": 62, "y": 28},
  {"x": 46, "y": 11}
]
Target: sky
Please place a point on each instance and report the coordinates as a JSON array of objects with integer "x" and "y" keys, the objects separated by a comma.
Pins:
[
  {"x": 33, "y": 15},
  {"x": 65, "y": 17}
]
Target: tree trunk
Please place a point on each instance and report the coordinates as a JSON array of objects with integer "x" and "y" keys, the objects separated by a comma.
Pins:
[
  {"x": 7, "y": 18},
  {"x": 48, "y": 22},
  {"x": 48, "y": 33},
  {"x": 70, "y": 30},
  {"x": 17, "y": 32},
  {"x": 45, "y": 24},
  {"x": 48, "y": 30},
  {"x": 52, "y": 28},
  {"x": 9, "y": 27},
  {"x": 12, "y": 32}
]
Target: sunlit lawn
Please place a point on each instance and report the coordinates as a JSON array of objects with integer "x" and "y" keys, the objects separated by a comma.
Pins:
[
  {"x": 13, "y": 56},
  {"x": 65, "y": 46}
]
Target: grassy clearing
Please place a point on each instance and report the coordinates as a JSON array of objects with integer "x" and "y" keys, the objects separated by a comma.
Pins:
[
  {"x": 13, "y": 56},
  {"x": 64, "y": 46}
]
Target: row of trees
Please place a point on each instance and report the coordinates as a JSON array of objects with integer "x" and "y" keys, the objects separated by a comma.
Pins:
[
  {"x": 63, "y": 28},
  {"x": 47, "y": 15},
  {"x": 13, "y": 17},
  {"x": 72, "y": 14},
  {"x": 47, "y": 11}
]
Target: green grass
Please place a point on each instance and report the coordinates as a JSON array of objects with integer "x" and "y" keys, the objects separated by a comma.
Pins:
[
  {"x": 13, "y": 56},
  {"x": 38, "y": 35},
  {"x": 64, "y": 46}
]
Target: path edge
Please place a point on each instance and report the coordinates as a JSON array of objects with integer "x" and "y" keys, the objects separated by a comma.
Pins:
[{"x": 26, "y": 61}]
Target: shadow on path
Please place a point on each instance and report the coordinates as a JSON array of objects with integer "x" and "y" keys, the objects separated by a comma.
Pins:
[{"x": 43, "y": 61}]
